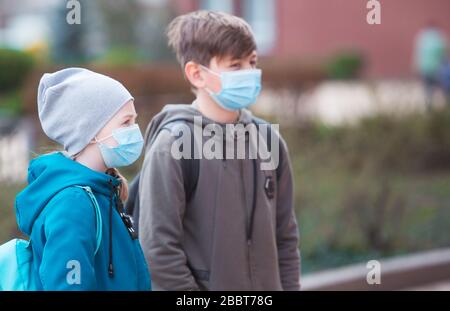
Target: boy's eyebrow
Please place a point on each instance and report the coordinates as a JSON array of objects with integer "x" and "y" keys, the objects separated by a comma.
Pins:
[
  {"x": 251, "y": 57},
  {"x": 130, "y": 115},
  {"x": 232, "y": 60},
  {"x": 254, "y": 57}
]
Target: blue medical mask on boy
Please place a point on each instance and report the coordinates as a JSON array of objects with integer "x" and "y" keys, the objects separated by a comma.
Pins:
[
  {"x": 240, "y": 88},
  {"x": 129, "y": 148}
]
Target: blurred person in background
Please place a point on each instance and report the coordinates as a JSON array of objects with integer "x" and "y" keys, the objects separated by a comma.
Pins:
[
  {"x": 430, "y": 54},
  {"x": 445, "y": 79}
]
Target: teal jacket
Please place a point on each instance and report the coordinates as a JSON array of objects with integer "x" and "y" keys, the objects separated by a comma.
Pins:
[{"x": 60, "y": 221}]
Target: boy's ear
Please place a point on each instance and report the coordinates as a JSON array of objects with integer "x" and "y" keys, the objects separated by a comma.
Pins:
[{"x": 194, "y": 74}]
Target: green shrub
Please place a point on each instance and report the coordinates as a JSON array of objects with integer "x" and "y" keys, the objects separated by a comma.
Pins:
[
  {"x": 11, "y": 104},
  {"x": 121, "y": 56},
  {"x": 14, "y": 68},
  {"x": 415, "y": 143},
  {"x": 372, "y": 190},
  {"x": 345, "y": 65}
]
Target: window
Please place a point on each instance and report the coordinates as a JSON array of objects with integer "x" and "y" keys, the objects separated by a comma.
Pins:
[
  {"x": 261, "y": 15},
  {"x": 214, "y": 5}
]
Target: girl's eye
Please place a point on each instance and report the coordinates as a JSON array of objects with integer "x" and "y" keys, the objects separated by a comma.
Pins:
[{"x": 237, "y": 66}]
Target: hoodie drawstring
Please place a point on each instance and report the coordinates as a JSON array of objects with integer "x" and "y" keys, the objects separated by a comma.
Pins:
[
  {"x": 115, "y": 202},
  {"x": 110, "y": 265}
]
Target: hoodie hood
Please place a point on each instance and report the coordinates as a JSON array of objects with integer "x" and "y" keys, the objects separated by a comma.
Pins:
[
  {"x": 49, "y": 174},
  {"x": 171, "y": 113}
]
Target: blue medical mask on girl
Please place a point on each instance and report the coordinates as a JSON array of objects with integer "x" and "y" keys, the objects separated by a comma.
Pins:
[
  {"x": 240, "y": 88},
  {"x": 129, "y": 148}
]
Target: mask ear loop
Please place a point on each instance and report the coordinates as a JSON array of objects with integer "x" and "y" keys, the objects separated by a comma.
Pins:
[
  {"x": 96, "y": 140},
  {"x": 210, "y": 71},
  {"x": 207, "y": 89},
  {"x": 103, "y": 139},
  {"x": 75, "y": 156}
]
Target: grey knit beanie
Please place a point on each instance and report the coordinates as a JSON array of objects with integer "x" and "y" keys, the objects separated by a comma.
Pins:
[{"x": 75, "y": 104}]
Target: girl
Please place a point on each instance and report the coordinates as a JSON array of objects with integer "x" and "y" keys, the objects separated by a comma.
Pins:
[{"x": 93, "y": 117}]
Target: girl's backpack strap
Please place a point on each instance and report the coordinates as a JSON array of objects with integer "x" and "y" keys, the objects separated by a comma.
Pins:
[{"x": 98, "y": 216}]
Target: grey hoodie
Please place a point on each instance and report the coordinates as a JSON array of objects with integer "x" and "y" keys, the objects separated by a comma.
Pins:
[{"x": 220, "y": 240}]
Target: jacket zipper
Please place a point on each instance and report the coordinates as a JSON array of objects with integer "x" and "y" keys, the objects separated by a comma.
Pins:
[
  {"x": 249, "y": 260},
  {"x": 250, "y": 216},
  {"x": 224, "y": 148}
]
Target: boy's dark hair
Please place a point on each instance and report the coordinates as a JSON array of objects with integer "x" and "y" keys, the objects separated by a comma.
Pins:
[{"x": 199, "y": 36}]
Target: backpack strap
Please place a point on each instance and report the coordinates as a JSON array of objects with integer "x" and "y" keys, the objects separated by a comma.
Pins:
[
  {"x": 191, "y": 166},
  {"x": 98, "y": 216}
]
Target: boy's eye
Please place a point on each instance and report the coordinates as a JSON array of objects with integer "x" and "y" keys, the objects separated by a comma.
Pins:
[{"x": 236, "y": 65}]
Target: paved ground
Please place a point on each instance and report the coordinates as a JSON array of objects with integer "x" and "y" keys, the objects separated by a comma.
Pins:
[{"x": 440, "y": 286}]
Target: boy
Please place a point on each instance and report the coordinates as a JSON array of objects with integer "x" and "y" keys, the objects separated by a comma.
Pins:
[{"x": 236, "y": 230}]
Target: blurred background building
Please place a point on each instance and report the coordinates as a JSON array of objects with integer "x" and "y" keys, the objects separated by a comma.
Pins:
[
  {"x": 309, "y": 29},
  {"x": 317, "y": 29}
]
